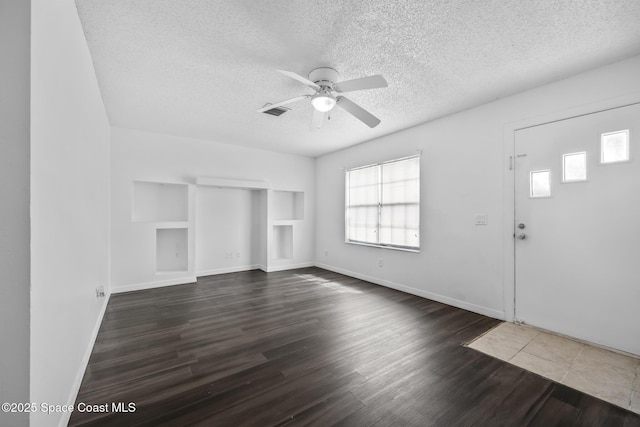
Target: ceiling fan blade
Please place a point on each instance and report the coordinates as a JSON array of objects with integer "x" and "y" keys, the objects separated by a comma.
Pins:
[
  {"x": 371, "y": 82},
  {"x": 357, "y": 111},
  {"x": 281, "y": 103},
  {"x": 301, "y": 79},
  {"x": 318, "y": 119}
]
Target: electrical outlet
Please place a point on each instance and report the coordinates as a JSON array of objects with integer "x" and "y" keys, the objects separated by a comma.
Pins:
[
  {"x": 380, "y": 263},
  {"x": 326, "y": 253},
  {"x": 481, "y": 219},
  {"x": 238, "y": 254},
  {"x": 100, "y": 292}
]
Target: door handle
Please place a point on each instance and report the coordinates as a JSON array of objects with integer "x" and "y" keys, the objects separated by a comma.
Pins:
[{"x": 521, "y": 236}]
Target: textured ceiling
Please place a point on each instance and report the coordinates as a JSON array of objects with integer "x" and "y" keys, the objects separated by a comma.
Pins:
[{"x": 201, "y": 68}]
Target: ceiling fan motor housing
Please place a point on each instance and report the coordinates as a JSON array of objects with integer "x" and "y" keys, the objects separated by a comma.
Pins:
[{"x": 324, "y": 77}]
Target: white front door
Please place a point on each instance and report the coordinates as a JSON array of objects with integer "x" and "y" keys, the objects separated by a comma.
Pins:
[{"x": 577, "y": 214}]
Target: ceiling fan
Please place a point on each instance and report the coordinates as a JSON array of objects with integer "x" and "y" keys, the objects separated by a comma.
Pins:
[{"x": 326, "y": 96}]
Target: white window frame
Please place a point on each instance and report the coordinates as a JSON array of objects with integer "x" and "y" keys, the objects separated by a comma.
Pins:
[
  {"x": 628, "y": 147},
  {"x": 380, "y": 208},
  {"x": 586, "y": 167},
  {"x": 531, "y": 195}
]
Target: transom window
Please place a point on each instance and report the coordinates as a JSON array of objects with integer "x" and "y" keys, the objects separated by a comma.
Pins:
[{"x": 383, "y": 204}]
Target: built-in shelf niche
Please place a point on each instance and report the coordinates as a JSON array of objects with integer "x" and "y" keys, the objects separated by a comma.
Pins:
[
  {"x": 171, "y": 250},
  {"x": 282, "y": 242},
  {"x": 160, "y": 202},
  {"x": 288, "y": 205}
]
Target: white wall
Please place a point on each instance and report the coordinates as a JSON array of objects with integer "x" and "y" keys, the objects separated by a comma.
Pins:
[
  {"x": 145, "y": 156},
  {"x": 14, "y": 204},
  {"x": 228, "y": 230},
  {"x": 464, "y": 172},
  {"x": 69, "y": 205}
]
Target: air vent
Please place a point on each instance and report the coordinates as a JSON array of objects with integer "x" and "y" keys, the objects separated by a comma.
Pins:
[{"x": 277, "y": 111}]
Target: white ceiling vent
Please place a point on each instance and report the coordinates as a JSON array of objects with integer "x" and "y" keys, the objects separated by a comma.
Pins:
[{"x": 276, "y": 111}]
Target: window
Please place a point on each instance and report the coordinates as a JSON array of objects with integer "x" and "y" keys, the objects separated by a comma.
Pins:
[
  {"x": 383, "y": 204},
  {"x": 614, "y": 147},
  {"x": 540, "y": 183},
  {"x": 574, "y": 167}
]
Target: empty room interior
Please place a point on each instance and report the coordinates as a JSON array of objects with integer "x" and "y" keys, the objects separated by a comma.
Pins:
[{"x": 320, "y": 213}]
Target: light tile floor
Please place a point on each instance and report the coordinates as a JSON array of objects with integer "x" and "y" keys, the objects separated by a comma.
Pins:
[{"x": 605, "y": 374}]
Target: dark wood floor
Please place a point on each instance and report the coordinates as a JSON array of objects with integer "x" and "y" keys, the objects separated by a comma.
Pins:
[{"x": 311, "y": 347}]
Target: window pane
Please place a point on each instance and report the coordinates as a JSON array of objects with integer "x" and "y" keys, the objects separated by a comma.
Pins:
[
  {"x": 400, "y": 205},
  {"x": 362, "y": 204},
  {"x": 400, "y": 179},
  {"x": 615, "y": 146},
  {"x": 363, "y": 223},
  {"x": 383, "y": 203},
  {"x": 574, "y": 167},
  {"x": 540, "y": 183},
  {"x": 400, "y": 225}
]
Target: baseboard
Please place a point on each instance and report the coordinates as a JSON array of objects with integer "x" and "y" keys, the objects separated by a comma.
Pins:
[
  {"x": 227, "y": 270},
  {"x": 150, "y": 285},
  {"x": 287, "y": 267},
  {"x": 254, "y": 267},
  {"x": 192, "y": 279},
  {"x": 497, "y": 314},
  {"x": 75, "y": 388}
]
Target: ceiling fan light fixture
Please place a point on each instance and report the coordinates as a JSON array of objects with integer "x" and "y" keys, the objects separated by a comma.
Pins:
[
  {"x": 323, "y": 101},
  {"x": 327, "y": 93}
]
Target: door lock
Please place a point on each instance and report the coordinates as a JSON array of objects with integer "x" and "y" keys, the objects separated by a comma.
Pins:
[
  {"x": 521, "y": 236},
  {"x": 521, "y": 226}
]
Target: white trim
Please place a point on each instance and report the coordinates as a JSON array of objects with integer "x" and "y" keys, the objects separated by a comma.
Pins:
[
  {"x": 564, "y": 179},
  {"x": 379, "y": 167},
  {"x": 193, "y": 279},
  {"x": 627, "y": 132},
  {"x": 385, "y": 162},
  {"x": 245, "y": 184},
  {"x": 226, "y": 270},
  {"x": 531, "y": 195},
  {"x": 497, "y": 314},
  {"x": 286, "y": 221},
  {"x": 383, "y": 246},
  {"x": 75, "y": 387},
  {"x": 287, "y": 267},
  {"x": 151, "y": 285},
  {"x": 156, "y": 181},
  {"x": 288, "y": 190}
]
